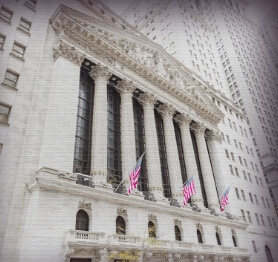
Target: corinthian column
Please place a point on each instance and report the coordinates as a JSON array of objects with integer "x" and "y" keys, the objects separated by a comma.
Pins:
[
  {"x": 100, "y": 75},
  {"x": 128, "y": 147},
  {"x": 152, "y": 153},
  {"x": 209, "y": 182},
  {"x": 216, "y": 152},
  {"x": 189, "y": 156},
  {"x": 167, "y": 113}
]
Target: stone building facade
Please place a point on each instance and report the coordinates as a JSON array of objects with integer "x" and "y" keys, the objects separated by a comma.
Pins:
[{"x": 83, "y": 95}]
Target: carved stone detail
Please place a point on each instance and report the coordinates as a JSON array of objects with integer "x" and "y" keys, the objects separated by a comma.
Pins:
[
  {"x": 199, "y": 226},
  {"x": 198, "y": 128},
  {"x": 218, "y": 229},
  {"x": 152, "y": 218},
  {"x": 147, "y": 98},
  {"x": 122, "y": 212},
  {"x": 183, "y": 118},
  {"x": 126, "y": 86},
  {"x": 85, "y": 205},
  {"x": 166, "y": 109},
  {"x": 100, "y": 71},
  {"x": 214, "y": 135},
  {"x": 177, "y": 222},
  {"x": 68, "y": 52}
]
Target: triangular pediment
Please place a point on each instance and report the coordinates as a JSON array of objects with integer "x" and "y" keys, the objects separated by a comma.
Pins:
[{"x": 137, "y": 51}]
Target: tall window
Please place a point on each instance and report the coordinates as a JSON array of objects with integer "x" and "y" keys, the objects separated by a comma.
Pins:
[
  {"x": 218, "y": 239},
  {"x": 82, "y": 152},
  {"x": 199, "y": 236},
  {"x": 82, "y": 221},
  {"x": 199, "y": 168},
  {"x": 140, "y": 144},
  {"x": 234, "y": 241},
  {"x": 162, "y": 154},
  {"x": 114, "y": 168},
  {"x": 180, "y": 151},
  {"x": 152, "y": 229},
  {"x": 177, "y": 233},
  {"x": 268, "y": 254},
  {"x": 120, "y": 226}
]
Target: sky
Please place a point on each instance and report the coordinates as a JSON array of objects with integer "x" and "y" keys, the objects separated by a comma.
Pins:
[{"x": 256, "y": 10}]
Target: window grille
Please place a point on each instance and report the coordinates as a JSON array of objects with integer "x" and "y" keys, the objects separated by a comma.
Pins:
[
  {"x": 114, "y": 167},
  {"x": 82, "y": 152},
  {"x": 162, "y": 155},
  {"x": 140, "y": 144}
]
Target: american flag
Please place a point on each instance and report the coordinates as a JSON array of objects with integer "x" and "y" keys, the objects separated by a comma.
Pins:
[
  {"x": 224, "y": 200},
  {"x": 134, "y": 175},
  {"x": 188, "y": 190}
]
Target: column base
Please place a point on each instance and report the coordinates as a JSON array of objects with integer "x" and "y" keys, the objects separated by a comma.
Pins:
[
  {"x": 99, "y": 178},
  {"x": 199, "y": 202},
  {"x": 157, "y": 193}
]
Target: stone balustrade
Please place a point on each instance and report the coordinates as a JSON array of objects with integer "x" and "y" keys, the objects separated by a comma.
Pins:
[{"x": 85, "y": 235}]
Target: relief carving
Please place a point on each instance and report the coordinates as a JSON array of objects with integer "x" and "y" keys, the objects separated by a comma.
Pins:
[{"x": 85, "y": 205}]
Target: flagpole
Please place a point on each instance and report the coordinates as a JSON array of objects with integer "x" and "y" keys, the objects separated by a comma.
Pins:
[
  {"x": 187, "y": 181},
  {"x": 129, "y": 173}
]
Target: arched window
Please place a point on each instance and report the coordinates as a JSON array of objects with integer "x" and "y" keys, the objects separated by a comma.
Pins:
[
  {"x": 120, "y": 226},
  {"x": 268, "y": 254},
  {"x": 218, "y": 239},
  {"x": 199, "y": 236},
  {"x": 82, "y": 221},
  {"x": 151, "y": 229},
  {"x": 234, "y": 241},
  {"x": 177, "y": 233}
]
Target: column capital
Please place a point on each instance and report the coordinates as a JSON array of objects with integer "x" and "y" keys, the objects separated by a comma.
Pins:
[
  {"x": 100, "y": 71},
  {"x": 147, "y": 98},
  {"x": 198, "y": 128},
  {"x": 125, "y": 86},
  {"x": 213, "y": 135},
  {"x": 183, "y": 118},
  {"x": 166, "y": 109}
]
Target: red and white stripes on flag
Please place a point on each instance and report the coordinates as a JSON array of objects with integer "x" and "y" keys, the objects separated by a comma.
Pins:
[
  {"x": 188, "y": 190},
  {"x": 224, "y": 200},
  {"x": 134, "y": 175}
]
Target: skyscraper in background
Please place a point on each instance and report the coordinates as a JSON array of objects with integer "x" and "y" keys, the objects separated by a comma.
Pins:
[{"x": 234, "y": 55}]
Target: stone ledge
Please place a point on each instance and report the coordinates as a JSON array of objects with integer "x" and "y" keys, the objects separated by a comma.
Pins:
[{"x": 58, "y": 181}]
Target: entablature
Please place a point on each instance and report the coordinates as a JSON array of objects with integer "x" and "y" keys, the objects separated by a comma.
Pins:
[{"x": 149, "y": 62}]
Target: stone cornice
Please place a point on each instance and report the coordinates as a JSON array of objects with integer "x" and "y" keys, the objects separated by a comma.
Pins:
[
  {"x": 89, "y": 40},
  {"x": 55, "y": 180},
  {"x": 68, "y": 52}
]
